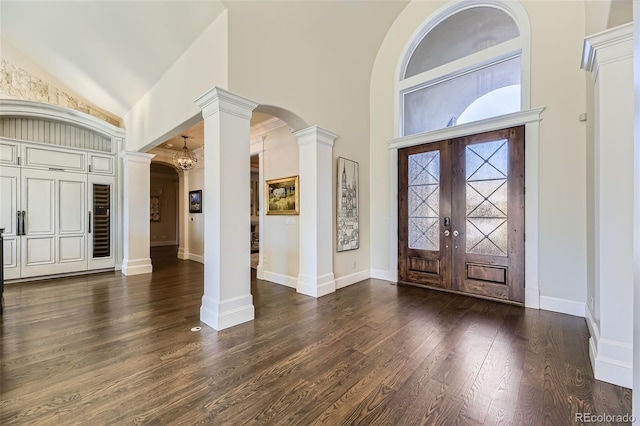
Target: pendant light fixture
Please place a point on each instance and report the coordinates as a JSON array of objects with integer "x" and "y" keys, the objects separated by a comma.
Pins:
[{"x": 185, "y": 159}]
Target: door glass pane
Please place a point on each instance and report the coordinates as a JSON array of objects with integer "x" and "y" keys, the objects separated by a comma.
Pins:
[
  {"x": 486, "y": 198},
  {"x": 101, "y": 221},
  {"x": 424, "y": 200}
]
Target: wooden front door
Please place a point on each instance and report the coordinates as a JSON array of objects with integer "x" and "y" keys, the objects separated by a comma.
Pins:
[{"x": 461, "y": 214}]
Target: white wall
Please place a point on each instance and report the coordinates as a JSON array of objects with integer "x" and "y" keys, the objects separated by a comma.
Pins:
[
  {"x": 554, "y": 64},
  {"x": 280, "y": 234},
  {"x": 196, "y": 220},
  {"x": 169, "y": 106},
  {"x": 314, "y": 59},
  {"x": 636, "y": 228}
]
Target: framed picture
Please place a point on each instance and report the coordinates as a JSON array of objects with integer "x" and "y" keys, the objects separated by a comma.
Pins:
[
  {"x": 281, "y": 195},
  {"x": 195, "y": 201},
  {"x": 155, "y": 209},
  {"x": 348, "y": 237}
]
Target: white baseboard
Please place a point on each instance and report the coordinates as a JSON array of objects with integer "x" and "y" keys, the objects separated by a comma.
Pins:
[
  {"x": 316, "y": 286},
  {"x": 162, "y": 243},
  {"x": 382, "y": 274},
  {"x": 279, "y": 279},
  {"x": 616, "y": 368},
  {"x": 196, "y": 257},
  {"x": 352, "y": 278},
  {"x": 562, "y": 306},
  {"x": 221, "y": 314},
  {"x": 136, "y": 266},
  {"x": 532, "y": 297},
  {"x": 611, "y": 361}
]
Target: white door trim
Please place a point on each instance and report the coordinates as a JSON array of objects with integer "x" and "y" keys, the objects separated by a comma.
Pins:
[{"x": 531, "y": 120}]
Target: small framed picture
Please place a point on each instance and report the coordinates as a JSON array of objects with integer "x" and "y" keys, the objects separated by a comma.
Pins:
[
  {"x": 195, "y": 201},
  {"x": 282, "y": 196}
]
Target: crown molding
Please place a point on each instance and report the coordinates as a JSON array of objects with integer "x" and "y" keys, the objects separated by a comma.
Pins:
[{"x": 266, "y": 126}]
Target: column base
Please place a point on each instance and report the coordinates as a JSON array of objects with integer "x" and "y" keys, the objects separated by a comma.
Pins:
[
  {"x": 136, "y": 266},
  {"x": 260, "y": 272},
  {"x": 182, "y": 254},
  {"x": 316, "y": 286},
  {"x": 226, "y": 313}
]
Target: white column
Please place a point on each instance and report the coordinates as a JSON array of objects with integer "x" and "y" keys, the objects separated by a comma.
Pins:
[
  {"x": 609, "y": 56},
  {"x": 636, "y": 215},
  {"x": 315, "y": 277},
  {"x": 227, "y": 297},
  {"x": 183, "y": 214},
  {"x": 136, "y": 228}
]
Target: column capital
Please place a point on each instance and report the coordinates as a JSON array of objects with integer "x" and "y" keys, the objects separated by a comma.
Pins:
[
  {"x": 217, "y": 99},
  {"x": 315, "y": 134},
  {"x": 136, "y": 157},
  {"x": 607, "y": 46}
]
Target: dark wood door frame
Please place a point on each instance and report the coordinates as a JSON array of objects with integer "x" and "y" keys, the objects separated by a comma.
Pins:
[{"x": 454, "y": 266}]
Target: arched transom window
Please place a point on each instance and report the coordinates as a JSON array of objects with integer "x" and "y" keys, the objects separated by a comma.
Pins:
[{"x": 463, "y": 67}]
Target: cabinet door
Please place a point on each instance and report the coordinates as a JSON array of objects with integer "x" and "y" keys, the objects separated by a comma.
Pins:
[
  {"x": 54, "y": 240},
  {"x": 101, "y": 226},
  {"x": 9, "y": 211}
]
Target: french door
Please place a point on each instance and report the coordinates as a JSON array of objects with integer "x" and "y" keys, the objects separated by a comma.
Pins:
[{"x": 461, "y": 214}]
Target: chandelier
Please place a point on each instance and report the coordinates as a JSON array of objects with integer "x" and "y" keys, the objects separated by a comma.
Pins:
[{"x": 185, "y": 159}]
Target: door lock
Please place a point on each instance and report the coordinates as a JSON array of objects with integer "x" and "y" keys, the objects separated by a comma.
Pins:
[{"x": 447, "y": 221}]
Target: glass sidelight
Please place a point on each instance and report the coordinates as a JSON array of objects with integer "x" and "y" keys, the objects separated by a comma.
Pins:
[{"x": 100, "y": 222}]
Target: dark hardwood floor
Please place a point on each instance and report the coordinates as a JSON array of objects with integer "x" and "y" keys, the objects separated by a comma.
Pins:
[{"x": 109, "y": 349}]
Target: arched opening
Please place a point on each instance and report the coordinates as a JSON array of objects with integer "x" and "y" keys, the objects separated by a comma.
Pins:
[{"x": 164, "y": 233}]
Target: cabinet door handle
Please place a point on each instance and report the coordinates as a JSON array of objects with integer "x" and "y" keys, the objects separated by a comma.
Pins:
[
  {"x": 89, "y": 222},
  {"x": 18, "y": 223},
  {"x": 24, "y": 221}
]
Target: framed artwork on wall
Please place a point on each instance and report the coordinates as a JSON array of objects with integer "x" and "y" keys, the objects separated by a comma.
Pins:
[
  {"x": 195, "y": 201},
  {"x": 281, "y": 196},
  {"x": 155, "y": 209},
  {"x": 348, "y": 237}
]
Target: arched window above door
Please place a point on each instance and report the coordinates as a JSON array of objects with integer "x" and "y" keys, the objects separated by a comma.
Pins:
[{"x": 464, "y": 65}]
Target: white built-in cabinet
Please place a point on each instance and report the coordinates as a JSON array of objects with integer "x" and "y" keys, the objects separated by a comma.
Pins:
[{"x": 56, "y": 207}]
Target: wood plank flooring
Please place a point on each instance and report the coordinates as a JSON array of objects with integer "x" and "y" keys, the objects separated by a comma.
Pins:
[{"x": 109, "y": 349}]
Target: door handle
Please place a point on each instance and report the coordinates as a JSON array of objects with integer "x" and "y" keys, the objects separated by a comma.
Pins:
[
  {"x": 446, "y": 233},
  {"x": 24, "y": 227},
  {"x": 18, "y": 223},
  {"x": 89, "y": 222}
]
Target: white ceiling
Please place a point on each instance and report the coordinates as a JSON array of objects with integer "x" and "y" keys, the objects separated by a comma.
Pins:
[
  {"x": 195, "y": 133},
  {"x": 112, "y": 52}
]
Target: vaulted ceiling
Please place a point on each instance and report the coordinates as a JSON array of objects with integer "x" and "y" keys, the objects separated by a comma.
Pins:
[{"x": 111, "y": 52}]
